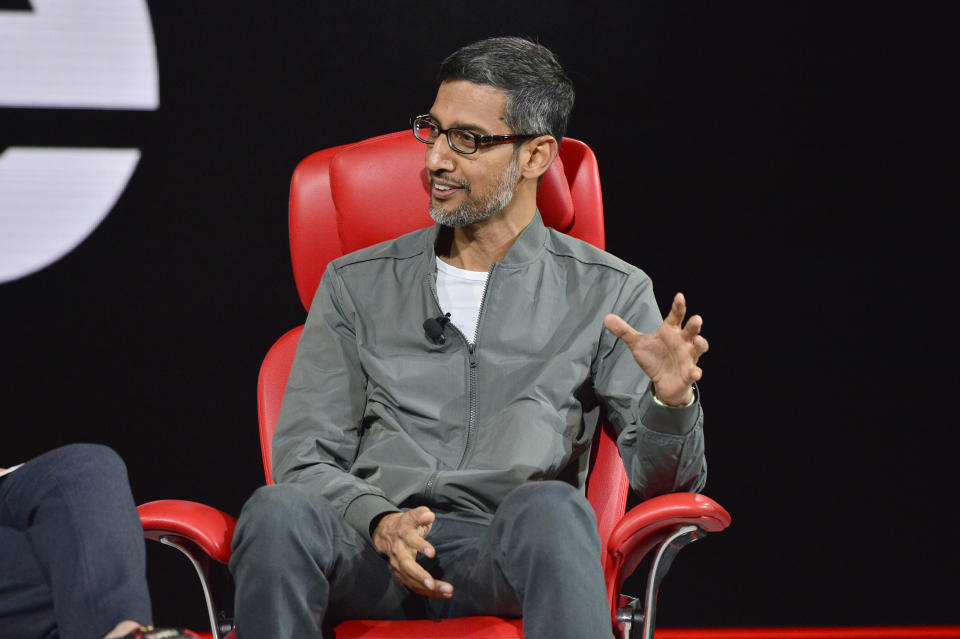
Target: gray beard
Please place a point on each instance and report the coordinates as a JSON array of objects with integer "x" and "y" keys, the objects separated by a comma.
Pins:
[{"x": 472, "y": 211}]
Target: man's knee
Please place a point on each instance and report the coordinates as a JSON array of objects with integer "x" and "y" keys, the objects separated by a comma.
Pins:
[
  {"x": 550, "y": 513},
  {"x": 549, "y": 500},
  {"x": 281, "y": 513}
]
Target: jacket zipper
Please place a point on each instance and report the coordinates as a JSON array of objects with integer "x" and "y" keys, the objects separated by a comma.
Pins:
[
  {"x": 472, "y": 380},
  {"x": 432, "y": 479}
]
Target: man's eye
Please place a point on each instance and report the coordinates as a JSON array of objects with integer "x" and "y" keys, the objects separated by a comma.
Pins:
[{"x": 462, "y": 138}]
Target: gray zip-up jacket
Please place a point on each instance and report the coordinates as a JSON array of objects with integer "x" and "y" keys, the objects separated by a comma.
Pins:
[{"x": 378, "y": 417}]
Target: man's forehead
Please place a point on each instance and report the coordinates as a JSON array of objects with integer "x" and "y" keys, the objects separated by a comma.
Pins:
[{"x": 464, "y": 104}]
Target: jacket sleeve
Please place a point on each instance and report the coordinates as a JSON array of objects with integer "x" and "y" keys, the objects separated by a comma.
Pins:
[
  {"x": 662, "y": 447},
  {"x": 319, "y": 427}
]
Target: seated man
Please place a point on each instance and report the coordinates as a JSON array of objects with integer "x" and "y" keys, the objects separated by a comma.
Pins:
[
  {"x": 72, "y": 559},
  {"x": 435, "y": 469}
]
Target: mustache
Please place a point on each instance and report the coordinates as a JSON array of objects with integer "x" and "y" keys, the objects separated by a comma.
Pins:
[{"x": 438, "y": 175}]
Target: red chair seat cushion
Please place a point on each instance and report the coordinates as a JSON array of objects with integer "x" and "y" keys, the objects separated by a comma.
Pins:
[{"x": 461, "y": 628}]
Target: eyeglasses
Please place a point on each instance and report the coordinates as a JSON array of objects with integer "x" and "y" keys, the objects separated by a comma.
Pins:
[{"x": 460, "y": 140}]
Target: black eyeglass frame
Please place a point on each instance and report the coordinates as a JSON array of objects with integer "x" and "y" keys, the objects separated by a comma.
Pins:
[{"x": 479, "y": 140}]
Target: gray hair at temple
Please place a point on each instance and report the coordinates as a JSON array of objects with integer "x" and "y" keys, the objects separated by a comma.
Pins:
[{"x": 539, "y": 93}]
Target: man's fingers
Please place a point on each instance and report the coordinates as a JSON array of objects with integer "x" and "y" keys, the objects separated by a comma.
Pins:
[
  {"x": 414, "y": 571},
  {"x": 415, "y": 541},
  {"x": 411, "y": 584},
  {"x": 413, "y": 576},
  {"x": 677, "y": 310},
  {"x": 701, "y": 345},
  {"x": 402, "y": 539},
  {"x": 422, "y": 516},
  {"x": 693, "y": 327},
  {"x": 619, "y": 327},
  {"x": 443, "y": 589},
  {"x": 414, "y": 528},
  {"x": 423, "y": 519}
]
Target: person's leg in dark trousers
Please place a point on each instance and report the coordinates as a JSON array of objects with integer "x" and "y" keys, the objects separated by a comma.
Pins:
[
  {"x": 295, "y": 559},
  {"x": 72, "y": 557},
  {"x": 539, "y": 559},
  {"x": 26, "y": 602}
]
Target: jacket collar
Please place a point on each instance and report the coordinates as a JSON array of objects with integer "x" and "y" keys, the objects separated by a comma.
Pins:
[{"x": 525, "y": 249}]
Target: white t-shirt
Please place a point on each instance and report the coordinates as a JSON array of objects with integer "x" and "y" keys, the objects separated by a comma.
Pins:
[{"x": 461, "y": 293}]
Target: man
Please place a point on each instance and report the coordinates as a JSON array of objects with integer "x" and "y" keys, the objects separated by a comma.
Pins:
[
  {"x": 72, "y": 559},
  {"x": 438, "y": 475}
]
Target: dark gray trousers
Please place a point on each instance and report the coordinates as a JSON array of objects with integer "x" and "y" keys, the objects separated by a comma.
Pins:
[
  {"x": 72, "y": 557},
  {"x": 298, "y": 566}
]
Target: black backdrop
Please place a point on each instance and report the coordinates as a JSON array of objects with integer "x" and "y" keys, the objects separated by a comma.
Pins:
[{"x": 785, "y": 164}]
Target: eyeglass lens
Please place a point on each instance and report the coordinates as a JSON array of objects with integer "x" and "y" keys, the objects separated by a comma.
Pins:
[{"x": 460, "y": 140}]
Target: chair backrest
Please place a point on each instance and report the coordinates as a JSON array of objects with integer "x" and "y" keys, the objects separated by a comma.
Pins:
[{"x": 349, "y": 197}]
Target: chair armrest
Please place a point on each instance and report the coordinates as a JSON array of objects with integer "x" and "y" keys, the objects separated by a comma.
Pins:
[
  {"x": 646, "y": 525},
  {"x": 208, "y": 528},
  {"x": 665, "y": 510}
]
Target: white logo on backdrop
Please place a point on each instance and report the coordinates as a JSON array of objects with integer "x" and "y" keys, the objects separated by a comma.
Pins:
[{"x": 96, "y": 54}]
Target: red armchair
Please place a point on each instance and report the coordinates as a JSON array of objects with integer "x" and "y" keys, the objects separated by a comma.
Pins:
[{"x": 333, "y": 193}]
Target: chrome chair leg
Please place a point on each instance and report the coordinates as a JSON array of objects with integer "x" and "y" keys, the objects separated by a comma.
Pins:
[
  {"x": 636, "y": 623},
  {"x": 201, "y": 563},
  {"x": 661, "y": 564},
  {"x": 629, "y": 616}
]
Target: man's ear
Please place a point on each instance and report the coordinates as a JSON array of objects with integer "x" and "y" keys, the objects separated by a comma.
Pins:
[{"x": 538, "y": 155}]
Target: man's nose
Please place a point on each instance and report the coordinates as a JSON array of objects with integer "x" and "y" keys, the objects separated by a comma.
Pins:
[{"x": 440, "y": 157}]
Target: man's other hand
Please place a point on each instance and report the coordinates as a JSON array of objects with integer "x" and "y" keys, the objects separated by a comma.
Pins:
[
  {"x": 669, "y": 356},
  {"x": 400, "y": 536}
]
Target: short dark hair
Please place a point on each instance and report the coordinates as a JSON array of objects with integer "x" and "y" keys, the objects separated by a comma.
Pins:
[{"x": 539, "y": 93}]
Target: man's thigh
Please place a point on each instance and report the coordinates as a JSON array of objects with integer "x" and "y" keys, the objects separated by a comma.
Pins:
[
  {"x": 468, "y": 558},
  {"x": 291, "y": 539},
  {"x": 362, "y": 585},
  {"x": 543, "y": 538}
]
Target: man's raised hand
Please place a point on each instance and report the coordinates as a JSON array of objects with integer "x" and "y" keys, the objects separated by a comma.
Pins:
[
  {"x": 400, "y": 536},
  {"x": 669, "y": 356}
]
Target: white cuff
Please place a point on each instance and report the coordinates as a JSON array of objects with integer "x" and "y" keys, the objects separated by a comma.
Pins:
[{"x": 690, "y": 403}]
